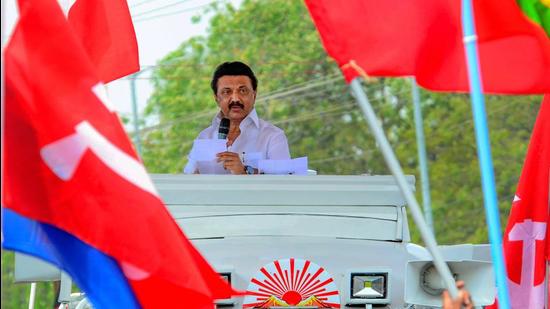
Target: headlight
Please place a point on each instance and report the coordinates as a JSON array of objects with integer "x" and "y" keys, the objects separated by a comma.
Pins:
[{"x": 369, "y": 287}]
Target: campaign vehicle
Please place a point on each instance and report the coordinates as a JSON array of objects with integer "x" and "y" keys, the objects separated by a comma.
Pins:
[{"x": 315, "y": 241}]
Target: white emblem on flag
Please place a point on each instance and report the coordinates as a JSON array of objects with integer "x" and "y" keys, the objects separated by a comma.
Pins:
[
  {"x": 527, "y": 294},
  {"x": 101, "y": 93},
  {"x": 63, "y": 156}
]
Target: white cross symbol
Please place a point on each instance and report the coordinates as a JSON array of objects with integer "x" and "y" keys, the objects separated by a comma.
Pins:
[
  {"x": 526, "y": 295},
  {"x": 63, "y": 156}
]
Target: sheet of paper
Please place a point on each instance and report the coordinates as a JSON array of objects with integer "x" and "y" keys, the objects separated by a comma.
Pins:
[
  {"x": 296, "y": 166},
  {"x": 206, "y": 149},
  {"x": 211, "y": 167}
]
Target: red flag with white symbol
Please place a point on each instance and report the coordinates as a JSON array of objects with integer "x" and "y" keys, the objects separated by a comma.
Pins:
[
  {"x": 107, "y": 33},
  {"x": 68, "y": 163},
  {"x": 526, "y": 241}
]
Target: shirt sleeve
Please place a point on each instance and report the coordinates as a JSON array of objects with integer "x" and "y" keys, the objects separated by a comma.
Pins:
[{"x": 278, "y": 147}]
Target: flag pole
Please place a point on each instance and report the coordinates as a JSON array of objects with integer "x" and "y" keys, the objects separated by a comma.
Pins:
[
  {"x": 484, "y": 153},
  {"x": 397, "y": 171},
  {"x": 422, "y": 157}
]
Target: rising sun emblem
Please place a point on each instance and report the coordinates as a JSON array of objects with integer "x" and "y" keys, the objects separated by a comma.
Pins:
[{"x": 292, "y": 282}]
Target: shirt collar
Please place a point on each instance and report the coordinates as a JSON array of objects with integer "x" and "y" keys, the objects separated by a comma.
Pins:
[{"x": 251, "y": 117}]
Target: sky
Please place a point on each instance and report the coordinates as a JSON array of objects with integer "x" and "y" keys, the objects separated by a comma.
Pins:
[{"x": 160, "y": 25}]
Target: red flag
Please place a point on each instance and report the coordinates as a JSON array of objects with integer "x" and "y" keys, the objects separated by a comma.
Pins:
[
  {"x": 424, "y": 38},
  {"x": 107, "y": 33},
  {"x": 69, "y": 163},
  {"x": 526, "y": 241}
]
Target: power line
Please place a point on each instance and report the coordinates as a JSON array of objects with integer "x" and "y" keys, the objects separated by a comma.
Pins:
[
  {"x": 467, "y": 122},
  {"x": 141, "y": 3},
  {"x": 297, "y": 89},
  {"x": 173, "y": 13},
  {"x": 342, "y": 157},
  {"x": 293, "y": 86},
  {"x": 172, "y": 62},
  {"x": 178, "y": 120},
  {"x": 329, "y": 111},
  {"x": 159, "y": 8}
]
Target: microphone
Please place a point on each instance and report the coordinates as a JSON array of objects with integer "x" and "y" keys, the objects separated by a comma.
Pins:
[{"x": 224, "y": 128}]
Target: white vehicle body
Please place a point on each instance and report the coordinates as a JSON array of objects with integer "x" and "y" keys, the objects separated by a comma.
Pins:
[
  {"x": 345, "y": 224},
  {"x": 348, "y": 227}
]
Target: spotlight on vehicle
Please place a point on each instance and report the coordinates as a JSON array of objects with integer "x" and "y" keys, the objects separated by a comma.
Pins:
[{"x": 368, "y": 287}]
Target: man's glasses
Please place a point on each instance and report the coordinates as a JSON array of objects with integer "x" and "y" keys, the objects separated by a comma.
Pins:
[{"x": 242, "y": 91}]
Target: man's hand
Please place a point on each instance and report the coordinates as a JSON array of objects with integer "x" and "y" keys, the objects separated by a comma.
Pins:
[
  {"x": 462, "y": 301},
  {"x": 232, "y": 162}
]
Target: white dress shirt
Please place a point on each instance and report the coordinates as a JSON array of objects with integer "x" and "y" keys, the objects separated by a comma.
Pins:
[{"x": 258, "y": 140}]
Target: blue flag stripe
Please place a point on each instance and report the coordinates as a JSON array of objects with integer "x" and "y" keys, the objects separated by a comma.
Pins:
[{"x": 97, "y": 274}]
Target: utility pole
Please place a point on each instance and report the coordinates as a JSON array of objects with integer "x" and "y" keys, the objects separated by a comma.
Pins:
[
  {"x": 137, "y": 137},
  {"x": 422, "y": 156}
]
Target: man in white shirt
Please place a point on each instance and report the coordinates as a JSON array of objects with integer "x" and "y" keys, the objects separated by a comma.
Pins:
[{"x": 250, "y": 138}]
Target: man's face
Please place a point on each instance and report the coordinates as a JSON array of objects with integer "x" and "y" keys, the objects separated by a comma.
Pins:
[{"x": 235, "y": 96}]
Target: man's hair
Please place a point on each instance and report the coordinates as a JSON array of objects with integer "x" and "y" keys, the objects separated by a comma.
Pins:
[{"x": 232, "y": 68}]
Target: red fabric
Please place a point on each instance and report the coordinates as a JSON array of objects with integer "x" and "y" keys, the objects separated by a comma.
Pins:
[
  {"x": 531, "y": 203},
  {"x": 107, "y": 33},
  {"x": 48, "y": 92},
  {"x": 424, "y": 38}
]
